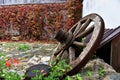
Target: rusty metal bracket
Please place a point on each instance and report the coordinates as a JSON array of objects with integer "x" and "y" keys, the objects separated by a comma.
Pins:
[{"x": 74, "y": 48}]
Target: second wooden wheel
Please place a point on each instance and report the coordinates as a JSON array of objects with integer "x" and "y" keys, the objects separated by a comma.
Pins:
[{"x": 73, "y": 44}]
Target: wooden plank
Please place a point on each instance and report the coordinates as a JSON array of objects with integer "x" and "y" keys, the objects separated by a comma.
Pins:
[{"x": 115, "y": 53}]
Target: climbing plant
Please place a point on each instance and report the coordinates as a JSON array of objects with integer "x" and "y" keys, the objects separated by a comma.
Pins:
[
  {"x": 37, "y": 21},
  {"x": 74, "y": 12}
]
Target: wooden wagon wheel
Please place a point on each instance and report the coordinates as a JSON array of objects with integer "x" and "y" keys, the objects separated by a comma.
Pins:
[{"x": 71, "y": 42}]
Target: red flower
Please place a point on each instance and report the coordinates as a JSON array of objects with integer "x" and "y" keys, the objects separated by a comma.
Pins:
[
  {"x": 12, "y": 61},
  {"x": 8, "y": 63},
  {"x": 16, "y": 61}
]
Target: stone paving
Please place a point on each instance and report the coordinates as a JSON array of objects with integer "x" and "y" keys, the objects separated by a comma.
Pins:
[{"x": 35, "y": 54}]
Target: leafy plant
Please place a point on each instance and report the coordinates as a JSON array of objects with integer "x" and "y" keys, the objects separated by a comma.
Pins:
[
  {"x": 89, "y": 73},
  {"x": 4, "y": 71},
  {"x": 38, "y": 77},
  {"x": 83, "y": 39},
  {"x": 11, "y": 76},
  {"x": 56, "y": 72},
  {"x": 68, "y": 78},
  {"x": 24, "y": 47},
  {"x": 79, "y": 77},
  {"x": 2, "y": 63},
  {"x": 102, "y": 72}
]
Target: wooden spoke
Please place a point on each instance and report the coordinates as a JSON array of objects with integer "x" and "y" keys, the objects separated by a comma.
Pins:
[
  {"x": 79, "y": 44},
  {"x": 73, "y": 28},
  {"x": 64, "y": 55},
  {"x": 61, "y": 53},
  {"x": 85, "y": 25},
  {"x": 57, "y": 50},
  {"x": 77, "y": 29},
  {"x": 80, "y": 28},
  {"x": 71, "y": 54},
  {"x": 84, "y": 33}
]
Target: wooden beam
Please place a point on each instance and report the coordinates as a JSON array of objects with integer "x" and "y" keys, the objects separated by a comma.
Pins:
[{"x": 115, "y": 53}]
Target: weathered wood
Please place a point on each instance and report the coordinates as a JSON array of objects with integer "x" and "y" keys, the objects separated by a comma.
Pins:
[
  {"x": 61, "y": 36},
  {"x": 115, "y": 53},
  {"x": 64, "y": 55},
  {"x": 79, "y": 43},
  {"x": 61, "y": 53},
  {"x": 77, "y": 28},
  {"x": 80, "y": 28},
  {"x": 72, "y": 39},
  {"x": 57, "y": 49},
  {"x": 84, "y": 33},
  {"x": 71, "y": 54},
  {"x": 85, "y": 25},
  {"x": 64, "y": 37}
]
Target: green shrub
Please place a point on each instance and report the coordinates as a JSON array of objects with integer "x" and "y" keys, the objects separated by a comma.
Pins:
[
  {"x": 24, "y": 47},
  {"x": 4, "y": 71},
  {"x": 56, "y": 72},
  {"x": 2, "y": 63}
]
